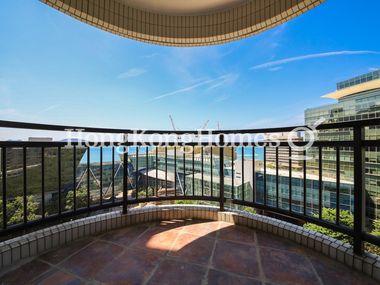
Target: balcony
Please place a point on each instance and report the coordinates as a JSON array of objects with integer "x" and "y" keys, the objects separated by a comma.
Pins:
[
  {"x": 186, "y": 251},
  {"x": 212, "y": 209}
]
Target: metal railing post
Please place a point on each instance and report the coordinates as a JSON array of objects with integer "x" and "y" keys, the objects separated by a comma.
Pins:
[
  {"x": 4, "y": 178},
  {"x": 125, "y": 178},
  {"x": 221, "y": 172},
  {"x": 359, "y": 189}
]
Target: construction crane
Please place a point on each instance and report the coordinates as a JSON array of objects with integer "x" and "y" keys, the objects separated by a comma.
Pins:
[
  {"x": 202, "y": 129},
  {"x": 205, "y": 125},
  {"x": 172, "y": 121},
  {"x": 174, "y": 128}
]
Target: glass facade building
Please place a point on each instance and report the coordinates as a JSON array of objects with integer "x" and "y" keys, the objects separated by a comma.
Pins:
[{"x": 361, "y": 105}]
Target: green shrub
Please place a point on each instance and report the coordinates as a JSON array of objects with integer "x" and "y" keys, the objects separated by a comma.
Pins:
[{"x": 347, "y": 219}]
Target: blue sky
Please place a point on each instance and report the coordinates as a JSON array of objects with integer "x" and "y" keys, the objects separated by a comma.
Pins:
[{"x": 55, "y": 69}]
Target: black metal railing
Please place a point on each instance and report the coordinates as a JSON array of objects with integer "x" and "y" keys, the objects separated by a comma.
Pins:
[{"x": 43, "y": 181}]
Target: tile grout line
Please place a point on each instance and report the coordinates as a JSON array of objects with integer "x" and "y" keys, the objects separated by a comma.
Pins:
[
  {"x": 68, "y": 257},
  {"x": 163, "y": 258},
  {"x": 38, "y": 258},
  {"x": 259, "y": 263},
  {"x": 130, "y": 246},
  {"x": 209, "y": 264},
  {"x": 314, "y": 270},
  {"x": 62, "y": 269},
  {"x": 140, "y": 235},
  {"x": 153, "y": 272},
  {"x": 181, "y": 231},
  {"x": 59, "y": 266}
]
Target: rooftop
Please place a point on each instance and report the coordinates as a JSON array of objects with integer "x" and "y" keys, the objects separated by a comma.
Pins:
[
  {"x": 355, "y": 89},
  {"x": 363, "y": 83}
]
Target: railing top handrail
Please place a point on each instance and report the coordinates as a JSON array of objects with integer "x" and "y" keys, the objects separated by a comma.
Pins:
[{"x": 49, "y": 127}]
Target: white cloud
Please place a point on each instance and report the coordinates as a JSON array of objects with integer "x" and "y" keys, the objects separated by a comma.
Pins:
[
  {"x": 373, "y": 68},
  {"x": 152, "y": 55},
  {"x": 276, "y": 68},
  {"x": 277, "y": 63},
  {"x": 271, "y": 122},
  {"x": 50, "y": 108},
  {"x": 222, "y": 98},
  {"x": 7, "y": 112},
  {"x": 225, "y": 80},
  {"x": 212, "y": 83},
  {"x": 133, "y": 72}
]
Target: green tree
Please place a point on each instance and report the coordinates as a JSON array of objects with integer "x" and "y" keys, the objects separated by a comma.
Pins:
[
  {"x": 143, "y": 193},
  {"x": 15, "y": 210},
  {"x": 376, "y": 232},
  {"x": 376, "y": 228},
  {"x": 81, "y": 199}
]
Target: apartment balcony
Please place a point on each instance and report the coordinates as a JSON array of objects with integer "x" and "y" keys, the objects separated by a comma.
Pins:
[
  {"x": 184, "y": 251},
  {"x": 190, "y": 212}
]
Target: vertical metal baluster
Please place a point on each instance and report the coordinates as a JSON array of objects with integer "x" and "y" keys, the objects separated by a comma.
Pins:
[
  {"x": 101, "y": 176},
  {"x": 193, "y": 172},
  {"x": 126, "y": 167},
  {"x": 221, "y": 172},
  {"x": 359, "y": 193},
  {"x": 88, "y": 177},
  {"x": 74, "y": 178},
  {"x": 202, "y": 170},
  {"x": 59, "y": 181},
  {"x": 337, "y": 185},
  {"x": 43, "y": 183},
  {"x": 265, "y": 176},
  {"x": 320, "y": 195},
  {"x": 137, "y": 172},
  {"x": 277, "y": 178},
  {"x": 290, "y": 180},
  {"x": 113, "y": 174},
  {"x": 211, "y": 174},
  {"x": 175, "y": 171},
  {"x": 233, "y": 173},
  {"x": 166, "y": 171},
  {"x": 304, "y": 183},
  {"x": 253, "y": 175},
  {"x": 4, "y": 171},
  {"x": 156, "y": 182},
  {"x": 125, "y": 180},
  {"x": 25, "y": 204},
  {"x": 242, "y": 173},
  {"x": 184, "y": 172},
  {"x": 147, "y": 168}
]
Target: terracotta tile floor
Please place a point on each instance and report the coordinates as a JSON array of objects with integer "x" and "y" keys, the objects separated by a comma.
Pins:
[{"x": 183, "y": 252}]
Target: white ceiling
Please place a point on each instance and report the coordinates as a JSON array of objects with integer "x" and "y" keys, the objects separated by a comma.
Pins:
[{"x": 182, "y": 7}]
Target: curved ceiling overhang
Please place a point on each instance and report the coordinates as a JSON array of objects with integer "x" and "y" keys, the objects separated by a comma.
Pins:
[{"x": 184, "y": 22}]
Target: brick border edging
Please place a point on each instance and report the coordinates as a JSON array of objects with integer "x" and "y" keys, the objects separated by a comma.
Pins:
[{"x": 38, "y": 242}]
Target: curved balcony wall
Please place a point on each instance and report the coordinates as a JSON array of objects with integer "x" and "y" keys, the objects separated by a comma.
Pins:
[{"x": 36, "y": 243}]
